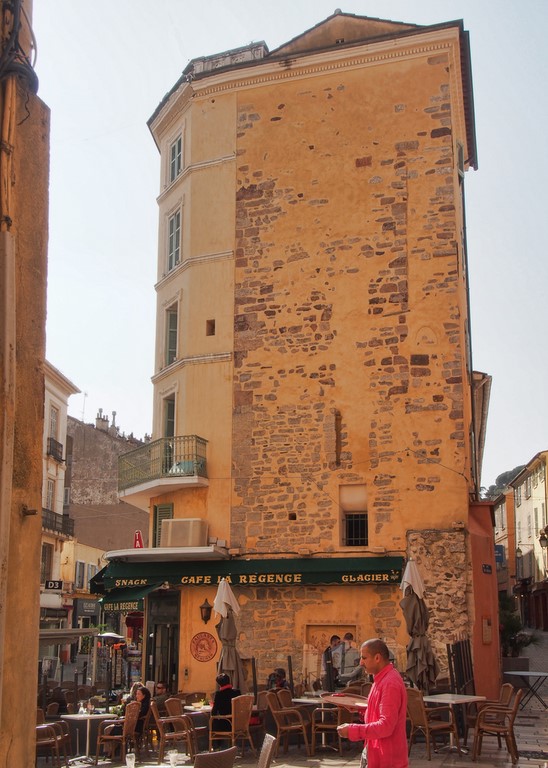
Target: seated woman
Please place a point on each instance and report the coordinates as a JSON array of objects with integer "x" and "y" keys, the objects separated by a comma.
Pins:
[
  {"x": 142, "y": 695},
  {"x": 222, "y": 703}
]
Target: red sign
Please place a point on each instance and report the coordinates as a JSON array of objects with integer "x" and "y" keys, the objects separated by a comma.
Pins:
[{"x": 137, "y": 540}]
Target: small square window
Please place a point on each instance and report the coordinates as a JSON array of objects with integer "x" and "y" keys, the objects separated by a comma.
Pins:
[
  {"x": 355, "y": 529},
  {"x": 210, "y": 327}
]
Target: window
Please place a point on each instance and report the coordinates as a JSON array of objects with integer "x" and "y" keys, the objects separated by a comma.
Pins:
[
  {"x": 50, "y": 495},
  {"x": 535, "y": 513},
  {"x": 174, "y": 241},
  {"x": 354, "y": 520},
  {"x": 53, "y": 421},
  {"x": 92, "y": 570},
  {"x": 161, "y": 512},
  {"x": 169, "y": 416},
  {"x": 210, "y": 327},
  {"x": 66, "y": 497},
  {"x": 528, "y": 487},
  {"x": 175, "y": 158},
  {"x": 355, "y": 529},
  {"x": 518, "y": 496},
  {"x": 172, "y": 317},
  {"x": 46, "y": 563},
  {"x": 80, "y": 574}
]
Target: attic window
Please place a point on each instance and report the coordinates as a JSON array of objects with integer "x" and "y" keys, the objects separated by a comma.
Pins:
[{"x": 339, "y": 40}]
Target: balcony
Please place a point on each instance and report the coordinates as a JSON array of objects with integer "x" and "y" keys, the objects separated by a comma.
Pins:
[
  {"x": 55, "y": 449},
  {"x": 162, "y": 466},
  {"x": 51, "y": 521}
]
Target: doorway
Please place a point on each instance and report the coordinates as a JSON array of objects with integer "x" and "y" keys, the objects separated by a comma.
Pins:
[{"x": 163, "y": 639}]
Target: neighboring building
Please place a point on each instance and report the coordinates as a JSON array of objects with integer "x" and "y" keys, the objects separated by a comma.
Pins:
[
  {"x": 316, "y": 416},
  {"x": 505, "y": 541},
  {"x": 23, "y": 275},
  {"x": 101, "y": 521},
  {"x": 531, "y": 504},
  {"x": 57, "y": 526}
]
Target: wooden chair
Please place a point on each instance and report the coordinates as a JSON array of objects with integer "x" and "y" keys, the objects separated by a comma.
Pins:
[
  {"x": 287, "y": 721},
  {"x": 52, "y": 710},
  {"x": 46, "y": 739},
  {"x": 170, "y": 730},
  {"x": 238, "y": 720},
  {"x": 223, "y": 758},
  {"x": 505, "y": 697},
  {"x": 286, "y": 702},
  {"x": 267, "y": 751},
  {"x": 108, "y": 731},
  {"x": 426, "y": 720},
  {"x": 495, "y": 720},
  {"x": 325, "y": 721}
]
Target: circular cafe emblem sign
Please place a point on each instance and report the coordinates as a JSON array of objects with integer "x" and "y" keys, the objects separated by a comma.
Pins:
[{"x": 203, "y": 646}]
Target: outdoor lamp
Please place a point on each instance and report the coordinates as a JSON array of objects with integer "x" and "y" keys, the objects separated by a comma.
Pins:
[
  {"x": 543, "y": 538},
  {"x": 519, "y": 553},
  {"x": 205, "y": 611}
]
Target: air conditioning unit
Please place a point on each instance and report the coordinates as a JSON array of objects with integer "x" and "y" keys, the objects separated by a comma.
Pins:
[{"x": 188, "y": 532}]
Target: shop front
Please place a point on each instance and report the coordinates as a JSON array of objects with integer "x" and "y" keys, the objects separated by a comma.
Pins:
[{"x": 289, "y": 608}]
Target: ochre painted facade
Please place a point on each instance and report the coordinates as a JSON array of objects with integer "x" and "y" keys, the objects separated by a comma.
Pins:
[
  {"x": 23, "y": 246},
  {"x": 323, "y": 347}
]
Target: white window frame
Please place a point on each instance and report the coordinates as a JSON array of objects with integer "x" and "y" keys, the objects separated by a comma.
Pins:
[
  {"x": 174, "y": 231},
  {"x": 50, "y": 494},
  {"x": 172, "y": 333},
  {"x": 79, "y": 574},
  {"x": 53, "y": 422},
  {"x": 91, "y": 571},
  {"x": 175, "y": 158}
]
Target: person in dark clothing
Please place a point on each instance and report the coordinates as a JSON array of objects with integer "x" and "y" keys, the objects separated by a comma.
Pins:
[
  {"x": 277, "y": 680},
  {"x": 142, "y": 695},
  {"x": 222, "y": 702}
]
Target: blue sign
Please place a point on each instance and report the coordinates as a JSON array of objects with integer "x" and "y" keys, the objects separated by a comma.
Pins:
[{"x": 499, "y": 554}]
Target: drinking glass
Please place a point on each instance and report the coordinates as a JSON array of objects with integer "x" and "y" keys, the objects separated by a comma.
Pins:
[{"x": 130, "y": 760}]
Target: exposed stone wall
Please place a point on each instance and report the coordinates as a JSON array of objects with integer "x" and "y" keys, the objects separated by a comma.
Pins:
[
  {"x": 94, "y": 463},
  {"x": 348, "y": 297}
]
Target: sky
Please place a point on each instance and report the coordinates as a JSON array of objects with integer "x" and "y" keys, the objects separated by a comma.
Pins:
[{"x": 103, "y": 67}]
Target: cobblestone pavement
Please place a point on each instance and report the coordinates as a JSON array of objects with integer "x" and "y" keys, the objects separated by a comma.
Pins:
[{"x": 531, "y": 729}]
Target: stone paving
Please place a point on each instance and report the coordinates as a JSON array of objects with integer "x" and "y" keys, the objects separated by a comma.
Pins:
[{"x": 531, "y": 731}]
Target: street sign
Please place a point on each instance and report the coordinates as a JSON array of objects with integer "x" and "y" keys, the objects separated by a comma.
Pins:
[{"x": 53, "y": 584}]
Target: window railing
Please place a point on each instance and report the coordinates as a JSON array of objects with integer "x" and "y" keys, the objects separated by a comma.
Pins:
[
  {"x": 169, "y": 457},
  {"x": 55, "y": 449},
  {"x": 58, "y": 523}
]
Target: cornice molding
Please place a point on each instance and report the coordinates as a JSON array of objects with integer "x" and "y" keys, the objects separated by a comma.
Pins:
[
  {"x": 189, "y": 170},
  {"x": 192, "y": 261},
  {"x": 219, "y": 357}
]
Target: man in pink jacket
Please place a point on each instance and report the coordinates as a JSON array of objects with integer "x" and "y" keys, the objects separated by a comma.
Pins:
[{"x": 383, "y": 730}]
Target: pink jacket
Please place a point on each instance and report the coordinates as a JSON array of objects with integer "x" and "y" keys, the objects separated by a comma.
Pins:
[{"x": 384, "y": 723}]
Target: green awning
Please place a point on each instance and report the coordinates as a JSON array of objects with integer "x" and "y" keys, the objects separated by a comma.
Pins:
[
  {"x": 333, "y": 570},
  {"x": 126, "y": 600}
]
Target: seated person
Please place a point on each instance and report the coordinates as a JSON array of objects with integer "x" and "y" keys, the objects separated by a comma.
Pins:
[
  {"x": 277, "y": 680},
  {"x": 161, "y": 695},
  {"x": 222, "y": 703}
]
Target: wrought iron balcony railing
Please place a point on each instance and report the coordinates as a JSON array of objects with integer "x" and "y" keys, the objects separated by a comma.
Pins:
[
  {"x": 58, "y": 523},
  {"x": 55, "y": 449},
  {"x": 169, "y": 457}
]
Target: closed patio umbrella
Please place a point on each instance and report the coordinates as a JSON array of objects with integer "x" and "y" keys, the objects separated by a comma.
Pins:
[
  {"x": 422, "y": 665},
  {"x": 226, "y": 605}
]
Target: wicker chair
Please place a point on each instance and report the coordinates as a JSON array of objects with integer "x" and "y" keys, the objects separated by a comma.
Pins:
[
  {"x": 108, "y": 731},
  {"x": 325, "y": 721},
  {"x": 267, "y": 751},
  {"x": 179, "y": 729},
  {"x": 427, "y": 721},
  {"x": 498, "y": 721},
  {"x": 505, "y": 697},
  {"x": 174, "y": 707},
  {"x": 242, "y": 707},
  {"x": 223, "y": 758},
  {"x": 47, "y": 739},
  {"x": 287, "y": 721}
]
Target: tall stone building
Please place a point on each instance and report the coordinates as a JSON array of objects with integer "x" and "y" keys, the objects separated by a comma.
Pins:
[{"x": 317, "y": 420}]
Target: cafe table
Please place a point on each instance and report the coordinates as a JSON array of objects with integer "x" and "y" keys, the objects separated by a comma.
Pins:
[
  {"x": 532, "y": 681},
  {"x": 453, "y": 700},
  {"x": 75, "y": 720}
]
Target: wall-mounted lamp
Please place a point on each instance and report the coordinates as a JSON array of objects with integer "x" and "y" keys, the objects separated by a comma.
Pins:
[
  {"x": 519, "y": 553},
  {"x": 543, "y": 538},
  {"x": 205, "y": 611}
]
